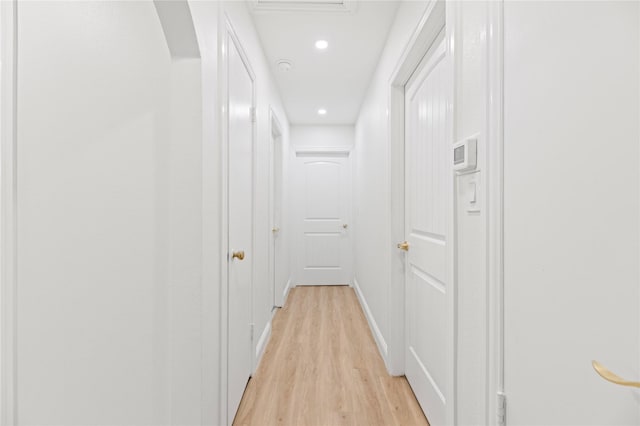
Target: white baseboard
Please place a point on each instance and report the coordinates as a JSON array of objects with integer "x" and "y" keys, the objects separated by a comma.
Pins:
[
  {"x": 377, "y": 335},
  {"x": 285, "y": 293},
  {"x": 262, "y": 343}
]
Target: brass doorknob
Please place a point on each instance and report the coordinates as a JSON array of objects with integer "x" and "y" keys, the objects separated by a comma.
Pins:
[
  {"x": 274, "y": 230},
  {"x": 611, "y": 377},
  {"x": 403, "y": 246},
  {"x": 238, "y": 255}
]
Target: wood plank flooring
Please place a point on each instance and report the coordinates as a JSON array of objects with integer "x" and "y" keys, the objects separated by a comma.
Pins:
[{"x": 322, "y": 367}]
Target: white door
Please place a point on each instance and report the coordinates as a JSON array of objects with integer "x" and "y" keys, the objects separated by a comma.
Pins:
[
  {"x": 240, "y": 227},
  {"x": 571, "y": 192},
  {"x": 427, "y": 215},
  {"x": 321, "y": 203}
]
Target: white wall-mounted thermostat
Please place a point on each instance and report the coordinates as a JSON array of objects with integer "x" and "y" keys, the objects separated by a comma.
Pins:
[{"x": 465, "y": 155}]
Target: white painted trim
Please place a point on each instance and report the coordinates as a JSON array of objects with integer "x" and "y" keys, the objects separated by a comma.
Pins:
[
  {"x": 8, "y": 228},
  {"x": 224, "y": 215},
  {"x": 324, "y": 150},
  {"x": 275, "y": 133},
  {"x": 212, "y": 264},
  {"x": 285, "y": 293},
  {"x": 373, "y": 325},
  {"x": 227, "y": 34},
  {"x": 495, "y": 204},
  {"x": 426, "y": 33},
  {"x": 262, "y": 345}
]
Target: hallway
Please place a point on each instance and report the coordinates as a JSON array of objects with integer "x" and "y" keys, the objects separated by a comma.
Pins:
[
  {"x": 443, "y": 197},
  {"x": 322, "y": 367}
]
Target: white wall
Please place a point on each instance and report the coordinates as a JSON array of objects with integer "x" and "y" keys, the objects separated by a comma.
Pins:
[
  {"x": 322, "y": 136},
  {"x": 205, "y": 20},
  {"x": 469, "y": 27},
  {"x": 108, "y": 306},
  {"x": 571, "y": 210},
  {"x": 125, "y": 161},
  {"x": 373, "y": 245}
]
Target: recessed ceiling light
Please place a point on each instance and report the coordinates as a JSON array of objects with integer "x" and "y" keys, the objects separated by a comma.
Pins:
[
  {"x": 322, "y": 111},
  {"x": 284, "y": 65},
  {"x": 322, "y": 44}
]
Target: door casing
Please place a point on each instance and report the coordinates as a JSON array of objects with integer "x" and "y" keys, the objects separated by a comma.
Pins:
[
  {"x": 229, "y": 35},
  {"x": 275, "y": 202}
]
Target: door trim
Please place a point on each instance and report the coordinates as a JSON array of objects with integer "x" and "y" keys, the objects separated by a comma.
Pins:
[
  {"x": 495, "y": 214},
  {"x": 8, "y": 229},
  {"x": 324, "y": 150},
  {"x": 229, "y": 35},
  {"x": 432, "y": 23},
  {"x": 275, "y": 132}
]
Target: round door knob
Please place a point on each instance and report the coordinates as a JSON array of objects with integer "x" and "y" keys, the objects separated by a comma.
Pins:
[
  {"x": 238, "y": 255},
  {"x": 345, "y": 226}
]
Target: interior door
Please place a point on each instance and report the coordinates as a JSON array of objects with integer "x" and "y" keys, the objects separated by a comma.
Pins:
[
  {"x": 240, "y": 181},
  {"x": 322, "y": 212},
  {"x": 427, "y": 215},
  {"x": 571, "y": 269}
]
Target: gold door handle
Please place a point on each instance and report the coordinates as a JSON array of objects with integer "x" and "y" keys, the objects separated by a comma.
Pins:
[
  {"x": 403, "y": 246},
  {"x": 345, "y": 226},
  {"x": 611, "y": 377},
  {"x": 274, "y": 230},
  {"x": 238, "y": 255}
]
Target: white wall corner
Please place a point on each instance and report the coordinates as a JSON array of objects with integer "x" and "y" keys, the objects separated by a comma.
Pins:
[{"x": 375, "y": 330}]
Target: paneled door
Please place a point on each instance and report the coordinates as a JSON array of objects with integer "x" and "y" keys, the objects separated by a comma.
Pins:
[
  {"x": 240, "y": 185},
  {"x": 428, "y": 187},
  {"x": 322, "y": 210}
]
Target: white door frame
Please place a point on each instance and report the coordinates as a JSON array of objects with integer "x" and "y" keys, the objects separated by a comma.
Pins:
[
  {"x": 496, "y": 408},
  {"x": 8, "y": 228},
  {"x": 274, "y": 134},
  {"x": 228, "y": 35},
  {"x": 432, "y": 23}
]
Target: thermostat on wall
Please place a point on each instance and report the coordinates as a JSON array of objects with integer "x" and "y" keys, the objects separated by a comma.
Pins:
[{"x": 465, "y": 155}]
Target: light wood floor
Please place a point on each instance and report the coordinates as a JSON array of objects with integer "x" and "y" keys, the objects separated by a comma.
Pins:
[{"x": 322, "y": 367}]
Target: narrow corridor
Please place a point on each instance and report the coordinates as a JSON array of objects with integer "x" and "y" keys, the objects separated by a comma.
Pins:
[{"x": 322, "y": 367}]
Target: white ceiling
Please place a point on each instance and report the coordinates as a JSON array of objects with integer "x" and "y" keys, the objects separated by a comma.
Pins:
[{"x": 336, "y": 78}]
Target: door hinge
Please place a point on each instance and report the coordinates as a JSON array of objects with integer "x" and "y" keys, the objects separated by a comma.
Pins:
[
  {"x": 252, "y": 112},
  {"x": 501, "y": 414}
]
